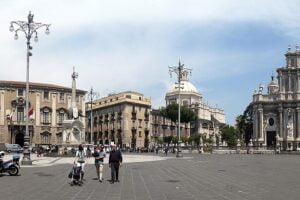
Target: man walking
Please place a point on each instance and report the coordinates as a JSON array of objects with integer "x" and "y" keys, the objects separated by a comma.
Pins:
[
  {"x": 99, "y": 155},
  {"x": 115, "y": 161}
]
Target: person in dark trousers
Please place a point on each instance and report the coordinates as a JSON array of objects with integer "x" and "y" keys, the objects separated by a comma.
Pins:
[
  {"x": 115, "y": 161},
  {"x": 166, "y": 151}
]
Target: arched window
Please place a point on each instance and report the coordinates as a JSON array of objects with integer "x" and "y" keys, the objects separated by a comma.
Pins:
[
  {"x": 46, "y": 114},
  {"x": 45, "y": 138}
]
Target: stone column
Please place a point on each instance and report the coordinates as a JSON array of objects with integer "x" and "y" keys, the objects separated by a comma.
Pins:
[
  {"x": 2, "y": 109},
  {"x": 37, "y": 109},
  {"x": 261, "y": 124},
  {"x": 298, "y": 85},
  {"x": 69, "y": 101},
  {"x": 289, "y": 76},
  {"x": 53, "y": 120},
  {"x": 83, "y": 118},
  {"x": 298, "y": 124},
  {"x": 281, "y": 85},
  {"x": 280, "y": 123},
  {"x": 254, "y": 124},
  {"x": 290, "y": 86},
  {"x": 280, "y": 82}
]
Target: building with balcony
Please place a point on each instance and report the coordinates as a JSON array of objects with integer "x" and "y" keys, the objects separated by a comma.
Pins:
[
  {"x": 162, "y": 126},
  {"x": 276, "y": 114},
  {"x": 122, "y": 118},
  {"x": 48, "y": 107}
]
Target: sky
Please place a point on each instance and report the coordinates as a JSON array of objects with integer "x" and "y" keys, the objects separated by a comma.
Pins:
[{"x": 231, "y": 45}]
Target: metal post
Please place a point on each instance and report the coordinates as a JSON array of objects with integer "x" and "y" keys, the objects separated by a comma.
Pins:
[
  {"x": 180, "y": 71},
  {"x": 179, "y": 106},
  {"x": 26, "y": 154},
  {"x": 29, "y": 28},
  {"x": 91, "y": 94}
]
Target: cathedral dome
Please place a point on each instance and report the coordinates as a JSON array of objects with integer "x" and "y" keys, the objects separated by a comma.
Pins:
[{"x": 186, "y": 86}]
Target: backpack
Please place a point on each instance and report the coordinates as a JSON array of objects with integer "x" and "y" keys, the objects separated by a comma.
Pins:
[{"x": 96, "y": 154}]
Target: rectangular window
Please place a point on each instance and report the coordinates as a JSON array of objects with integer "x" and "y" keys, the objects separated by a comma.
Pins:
[
  {"x": 45, "y": 117},
  {"x": 20, "y": 114},
  {"x": 140, "y": 123},
  {"x": 140, "y": 133},
  {"x": 77, "y": 98},
  {"x": 46, "y": 95},
  {"x": 20, "y": 92},
  {"x": 61, "y": 96},
  {"x": 61, "y": 117}
]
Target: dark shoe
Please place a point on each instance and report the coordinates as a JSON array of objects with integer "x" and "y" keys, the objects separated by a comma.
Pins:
[
  {"x": 100, "y": 180},
  {"x": 117, "y": 180}
]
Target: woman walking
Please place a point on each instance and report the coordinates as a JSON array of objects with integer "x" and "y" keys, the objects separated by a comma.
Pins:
[{"x": 80, "y": 159}]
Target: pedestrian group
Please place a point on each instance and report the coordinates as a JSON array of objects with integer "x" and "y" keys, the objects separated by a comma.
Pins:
[{"x": 99, "y": 154}]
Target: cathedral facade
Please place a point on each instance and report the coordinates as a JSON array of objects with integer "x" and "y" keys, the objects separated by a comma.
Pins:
[{"x": 276, "y": 114}]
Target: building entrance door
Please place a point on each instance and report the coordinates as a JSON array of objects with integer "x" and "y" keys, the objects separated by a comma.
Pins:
[
  {"x": 19, "y": 139},
  {"x": 271, "y": 138}
]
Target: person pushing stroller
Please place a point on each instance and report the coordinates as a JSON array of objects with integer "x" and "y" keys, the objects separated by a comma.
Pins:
[{"x": 79, "y": 164}]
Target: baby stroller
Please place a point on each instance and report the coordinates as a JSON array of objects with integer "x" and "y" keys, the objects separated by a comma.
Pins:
[{"x": 75, "y": 175}]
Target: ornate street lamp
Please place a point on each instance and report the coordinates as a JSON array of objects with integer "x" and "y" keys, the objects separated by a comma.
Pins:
[
  {"x": 29, "y": 28},
  {"x": 91, "y": 96},
  {"x": 180, "y": 71}
]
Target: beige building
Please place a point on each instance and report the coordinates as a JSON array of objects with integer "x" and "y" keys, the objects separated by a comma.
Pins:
[
  {"x": 162, "y": 126},
  {"x": 48, "y": 107},
  {"x": 122, "y": 118}
]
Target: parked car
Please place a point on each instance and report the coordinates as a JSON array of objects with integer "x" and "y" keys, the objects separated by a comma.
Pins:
[{"x": 11, "y": 148}]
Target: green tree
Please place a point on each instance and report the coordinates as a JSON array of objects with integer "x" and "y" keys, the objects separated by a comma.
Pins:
[
  {"x": 171, "y": 112},
  {"x": 194, "y": 138},
  {"x": 175, "y": 140},
  {"x": 184, "y": 139},
  {"x": 167, "y": 139},
  {"x": 229, "y": 134},
  {"x": 158, "y": 140},
  {"x": 244, "y": 124}
]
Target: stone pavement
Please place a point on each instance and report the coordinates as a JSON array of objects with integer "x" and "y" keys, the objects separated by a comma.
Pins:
[
  {"x": 49, "y": 161},
  {"x": 194, "y": 177}
]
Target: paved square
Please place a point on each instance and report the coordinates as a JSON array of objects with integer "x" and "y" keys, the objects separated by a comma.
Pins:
[{"x": 192, "y": 177}]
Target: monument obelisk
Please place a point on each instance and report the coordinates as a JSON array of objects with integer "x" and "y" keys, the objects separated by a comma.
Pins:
[{"x": 73, "y": 128}]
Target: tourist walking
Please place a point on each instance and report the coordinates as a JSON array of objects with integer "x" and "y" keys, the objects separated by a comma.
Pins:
[
  {"x": 115, "y": 161},
  {"x": 80, "y": 159},
  {"x": 99, "y": 156},
  {"x": 88, "y": 152},
  {"x": 166, "y": 151}
]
